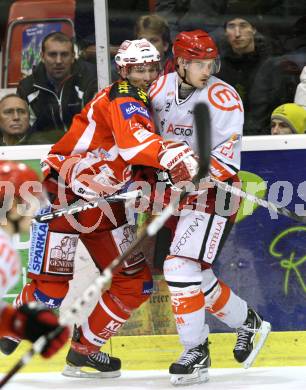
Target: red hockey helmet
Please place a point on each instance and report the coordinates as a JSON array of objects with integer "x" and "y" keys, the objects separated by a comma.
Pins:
[
  {"x": 197, "y": 44},
  {"x": 16, "y": 173}
]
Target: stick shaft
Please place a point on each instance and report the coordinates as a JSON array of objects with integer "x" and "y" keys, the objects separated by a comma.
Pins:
[
  {"x": 261, "y": 202},
  {"x": 83, "y": 206}
]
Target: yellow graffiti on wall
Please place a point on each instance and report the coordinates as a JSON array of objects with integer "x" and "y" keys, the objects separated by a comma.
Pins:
[{"x": 289, "y": 263}]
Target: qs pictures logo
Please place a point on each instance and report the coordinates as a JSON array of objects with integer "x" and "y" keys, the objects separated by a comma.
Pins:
[{"x": 292, "y": 264}]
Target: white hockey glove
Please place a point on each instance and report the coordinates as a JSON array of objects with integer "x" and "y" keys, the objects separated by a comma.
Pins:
[{"x": 179, "y": 160}]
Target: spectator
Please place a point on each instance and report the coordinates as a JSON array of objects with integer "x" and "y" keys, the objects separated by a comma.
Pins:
[
  {"x": 276, "y": 82},
  {"x": 14, "y": 119},
  {"x": 288, "y": 118},
  {"x": 188, "y": 15},
  {"x": 121, "y": 24},
  {"x": 155, "y": 29},
  {"x": 300, "y": 93},
  {"x": 275, "y": 16},
  {"x": 85, "y": 30},
  {"x": 15, "y": 124},
  {"x": 242, "y": 52},
  {"x": 59, "y": 87}
]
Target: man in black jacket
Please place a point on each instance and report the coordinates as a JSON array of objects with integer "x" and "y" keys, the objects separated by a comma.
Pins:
[
  {"x": 242, "y": 53},
  {"x": 59, "y": 87}
]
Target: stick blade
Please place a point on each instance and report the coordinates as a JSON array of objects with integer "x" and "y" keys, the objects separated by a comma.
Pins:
[{"x": 203, "y": 130}]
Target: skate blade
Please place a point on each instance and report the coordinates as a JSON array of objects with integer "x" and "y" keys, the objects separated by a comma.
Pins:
[
  {"x": 262, "y": 335},
  {"x": 198, "y": 376},
  {"x": 78, "y": 372}
]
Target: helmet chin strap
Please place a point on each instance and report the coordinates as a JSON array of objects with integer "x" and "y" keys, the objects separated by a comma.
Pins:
[{"x": 185, "y": 88}]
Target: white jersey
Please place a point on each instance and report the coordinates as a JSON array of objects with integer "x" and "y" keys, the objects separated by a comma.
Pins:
[
  {"x": 174, "y": 119},
  {"x": 10, "y": 266}
]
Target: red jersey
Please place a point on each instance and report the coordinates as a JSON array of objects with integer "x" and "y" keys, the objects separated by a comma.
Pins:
[{"x": 113, "y": 132}]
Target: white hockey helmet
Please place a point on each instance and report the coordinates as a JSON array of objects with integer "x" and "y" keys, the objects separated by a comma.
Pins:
[{"x": 136, "y": 52}]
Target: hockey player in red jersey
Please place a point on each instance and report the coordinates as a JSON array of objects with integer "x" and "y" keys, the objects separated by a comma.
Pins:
[
  {"x": 112, "y": 133},
  {"x": 29, "y": 321},
  {"x": 199, "y": 235}
]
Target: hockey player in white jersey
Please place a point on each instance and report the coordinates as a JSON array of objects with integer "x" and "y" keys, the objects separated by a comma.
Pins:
[{"x": 199, "y": 235}]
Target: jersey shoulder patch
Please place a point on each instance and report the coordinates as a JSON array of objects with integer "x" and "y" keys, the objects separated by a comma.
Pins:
[{"x": 125, "y": 89}]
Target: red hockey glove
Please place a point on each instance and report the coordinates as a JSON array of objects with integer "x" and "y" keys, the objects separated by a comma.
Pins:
[
  {"x": 180, "y": 161},
  {"x": 33, "y": 320}
]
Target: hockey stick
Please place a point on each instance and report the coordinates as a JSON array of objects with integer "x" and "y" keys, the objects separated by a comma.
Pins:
[
  {"x": 261, "y": 202},
  {"x": 202, "y": 122},
  {"x": 83, "y": 206}
]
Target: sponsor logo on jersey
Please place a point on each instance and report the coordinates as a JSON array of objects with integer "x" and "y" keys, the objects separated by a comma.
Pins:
[
  {"x": 129, "y": 235},
  {"x": 147, "y": 287},
  {"x": 213, "y": 241},
  {"x": 52, "y": 303},
  {"x": 61, "y": 253},
  {"x": 110, "y": 329},
  {"x": 129, "y": 109},
  {"x": 178, "y": 157},
  {"x": 38, "y": 244},
  {"x": 224, "y": 98},
  {"x": 183, "y": 130},
  {"x": 142, "y": 135},
  {"x": 188, "y": 233}
]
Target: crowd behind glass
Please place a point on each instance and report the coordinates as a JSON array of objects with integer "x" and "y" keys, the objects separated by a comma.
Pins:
[{"x": 262, "y": 47}]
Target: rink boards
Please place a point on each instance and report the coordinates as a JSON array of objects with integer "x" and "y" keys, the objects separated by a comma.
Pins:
[
  {"x": 157, "y": 352},
  {"x": 263, "y": 261}
]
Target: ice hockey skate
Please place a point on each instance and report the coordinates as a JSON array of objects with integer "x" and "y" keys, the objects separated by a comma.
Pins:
[
  {"x": 192, "y": 366},
  {"x": 251, "y": 337},
  {"x": 8, "y": 345},
  {"x": 80, "y": 358}
]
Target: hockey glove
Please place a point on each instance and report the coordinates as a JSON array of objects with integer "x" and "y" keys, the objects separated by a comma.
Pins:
[
  {"x": 180, "y": 161},
  {"x": 32, "y": 320}
]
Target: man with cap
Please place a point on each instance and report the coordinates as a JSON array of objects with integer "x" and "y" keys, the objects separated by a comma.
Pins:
[{"x": 288, "y": 118}]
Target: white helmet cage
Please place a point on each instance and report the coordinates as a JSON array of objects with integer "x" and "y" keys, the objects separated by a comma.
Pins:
[{"x": 138, "y": 51}]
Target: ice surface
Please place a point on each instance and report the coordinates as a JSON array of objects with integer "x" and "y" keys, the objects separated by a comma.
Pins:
[{"x": 274, "y": 378}]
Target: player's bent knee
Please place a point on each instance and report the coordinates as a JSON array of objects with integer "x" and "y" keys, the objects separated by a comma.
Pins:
[
  {"x": 133, "y": 289},
  {"x": 50, "y": 294},
  {"x": 182, "y": 270},
  {"x": 184, "y": 279}
]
